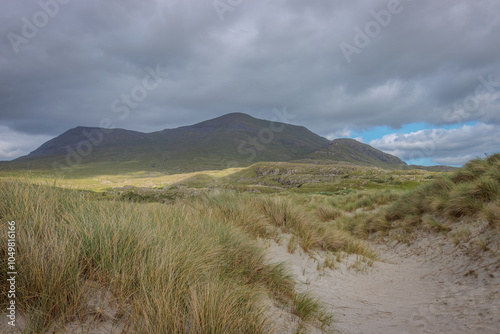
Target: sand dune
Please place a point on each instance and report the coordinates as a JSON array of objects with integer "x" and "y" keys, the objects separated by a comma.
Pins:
[{"x": 431, "y": 287}]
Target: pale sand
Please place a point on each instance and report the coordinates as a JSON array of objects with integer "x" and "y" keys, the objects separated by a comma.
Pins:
[{"x": 430, "y": 287}]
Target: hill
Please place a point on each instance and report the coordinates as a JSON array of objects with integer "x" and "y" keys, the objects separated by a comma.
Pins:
[{"x": 352, "y": 151}]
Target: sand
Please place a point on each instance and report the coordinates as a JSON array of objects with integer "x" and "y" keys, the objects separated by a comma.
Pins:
[{"x": 432, "y": 286}]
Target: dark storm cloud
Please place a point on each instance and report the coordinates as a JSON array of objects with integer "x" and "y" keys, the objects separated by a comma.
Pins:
[{"x": 422, "y": 66}]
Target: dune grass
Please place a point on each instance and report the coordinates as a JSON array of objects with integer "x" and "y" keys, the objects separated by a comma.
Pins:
[
  {"x": 163, "y": 268},
  {"x": 472, "y": 191},
  {"x": 267, "y": 216}
]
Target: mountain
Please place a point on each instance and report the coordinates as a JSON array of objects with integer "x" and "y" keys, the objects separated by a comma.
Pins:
[
  {"x": 231, "y": 140},
  {"x": 352, "y": 151}
]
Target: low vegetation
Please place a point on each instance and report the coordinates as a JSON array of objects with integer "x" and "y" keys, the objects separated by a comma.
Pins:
[
  {"x": 190, "y": 250},
  {"x": 471, "y": 192},
  {"x": 82, "y": 259}
]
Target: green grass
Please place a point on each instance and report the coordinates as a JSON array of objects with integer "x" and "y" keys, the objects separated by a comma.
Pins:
[
  {"x": 471, "y": 193},
  {"x": 263, "y": 177},
  {"x": 464, "y": 193},
  {"x": 104, "y": 177}
]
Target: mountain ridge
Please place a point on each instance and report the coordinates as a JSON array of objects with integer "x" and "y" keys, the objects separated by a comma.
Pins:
[
  {"x": 231, "y": 140},
  {"x": 351, "y": 151}
]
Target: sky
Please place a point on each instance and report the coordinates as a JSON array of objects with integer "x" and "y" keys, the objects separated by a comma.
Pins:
[{"x": 418, "y": 79}]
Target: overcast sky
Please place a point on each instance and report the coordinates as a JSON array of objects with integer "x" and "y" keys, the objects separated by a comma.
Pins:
[{"x": 419, "y": 79}]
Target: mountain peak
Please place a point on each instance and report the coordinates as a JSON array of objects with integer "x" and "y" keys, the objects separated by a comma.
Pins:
[
  {"x": 236, "y": 116},
  {"x": 229, "y": 119},
  {"x": 345, "y": 140},
  {"x": 236, "y": 137}
]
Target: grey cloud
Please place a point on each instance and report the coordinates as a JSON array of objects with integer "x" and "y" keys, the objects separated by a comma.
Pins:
[
  {"x": 457, "y": 160},
  {"x": 264, "y": 54}
]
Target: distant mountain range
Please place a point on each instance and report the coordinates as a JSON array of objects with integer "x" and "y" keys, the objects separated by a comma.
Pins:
[{"x": 232, "y": 140}]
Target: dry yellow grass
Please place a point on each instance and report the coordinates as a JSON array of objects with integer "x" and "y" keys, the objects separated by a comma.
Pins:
[
  {"x": 103, "y": 182},
  {"x": 195, "y": 266}
]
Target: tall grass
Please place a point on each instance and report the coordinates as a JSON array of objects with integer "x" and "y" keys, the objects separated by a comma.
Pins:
[
  {"x": 164, "y": 268},
  {"x": 472, "y": 191},
  {"x": 268, "y": 216},
  {"x": 311, "y": 232}
]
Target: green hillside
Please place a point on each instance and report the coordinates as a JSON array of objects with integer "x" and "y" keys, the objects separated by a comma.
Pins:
[
  {"x": 228, "y": 141},
  {"x": 232, "y": 140},
  {"x": 352, "y": 151}
]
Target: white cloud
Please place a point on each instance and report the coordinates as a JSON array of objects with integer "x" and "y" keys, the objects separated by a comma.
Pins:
[
  {"x": 443, "y": 146},
  {"x": 15, "y": 144},
  {"x": 360, "y": 139}
]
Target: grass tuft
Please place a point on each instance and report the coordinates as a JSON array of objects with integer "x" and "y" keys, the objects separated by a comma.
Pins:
[
  {"x": 473, "y": 191},
  {"x": 328, "y": 213},
  {"x": 492, "y": 213}
]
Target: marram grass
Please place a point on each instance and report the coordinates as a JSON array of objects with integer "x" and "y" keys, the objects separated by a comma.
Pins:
[
  {"x": 472, "y": 191},
  {"x": 163, "y": 268}
]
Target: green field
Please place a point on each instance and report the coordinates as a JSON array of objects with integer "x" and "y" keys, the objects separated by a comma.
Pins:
[{"x": 263, "y": 176}]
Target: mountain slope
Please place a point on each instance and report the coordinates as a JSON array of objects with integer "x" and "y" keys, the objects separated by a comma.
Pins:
[
  {"x": 352, "y": 151},
  {"x": 232, "y": 140},
  {"x": 227, "y": 141}
]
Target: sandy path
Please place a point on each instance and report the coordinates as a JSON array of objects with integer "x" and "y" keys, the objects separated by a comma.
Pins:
[{"x": 405, "y": 292}]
